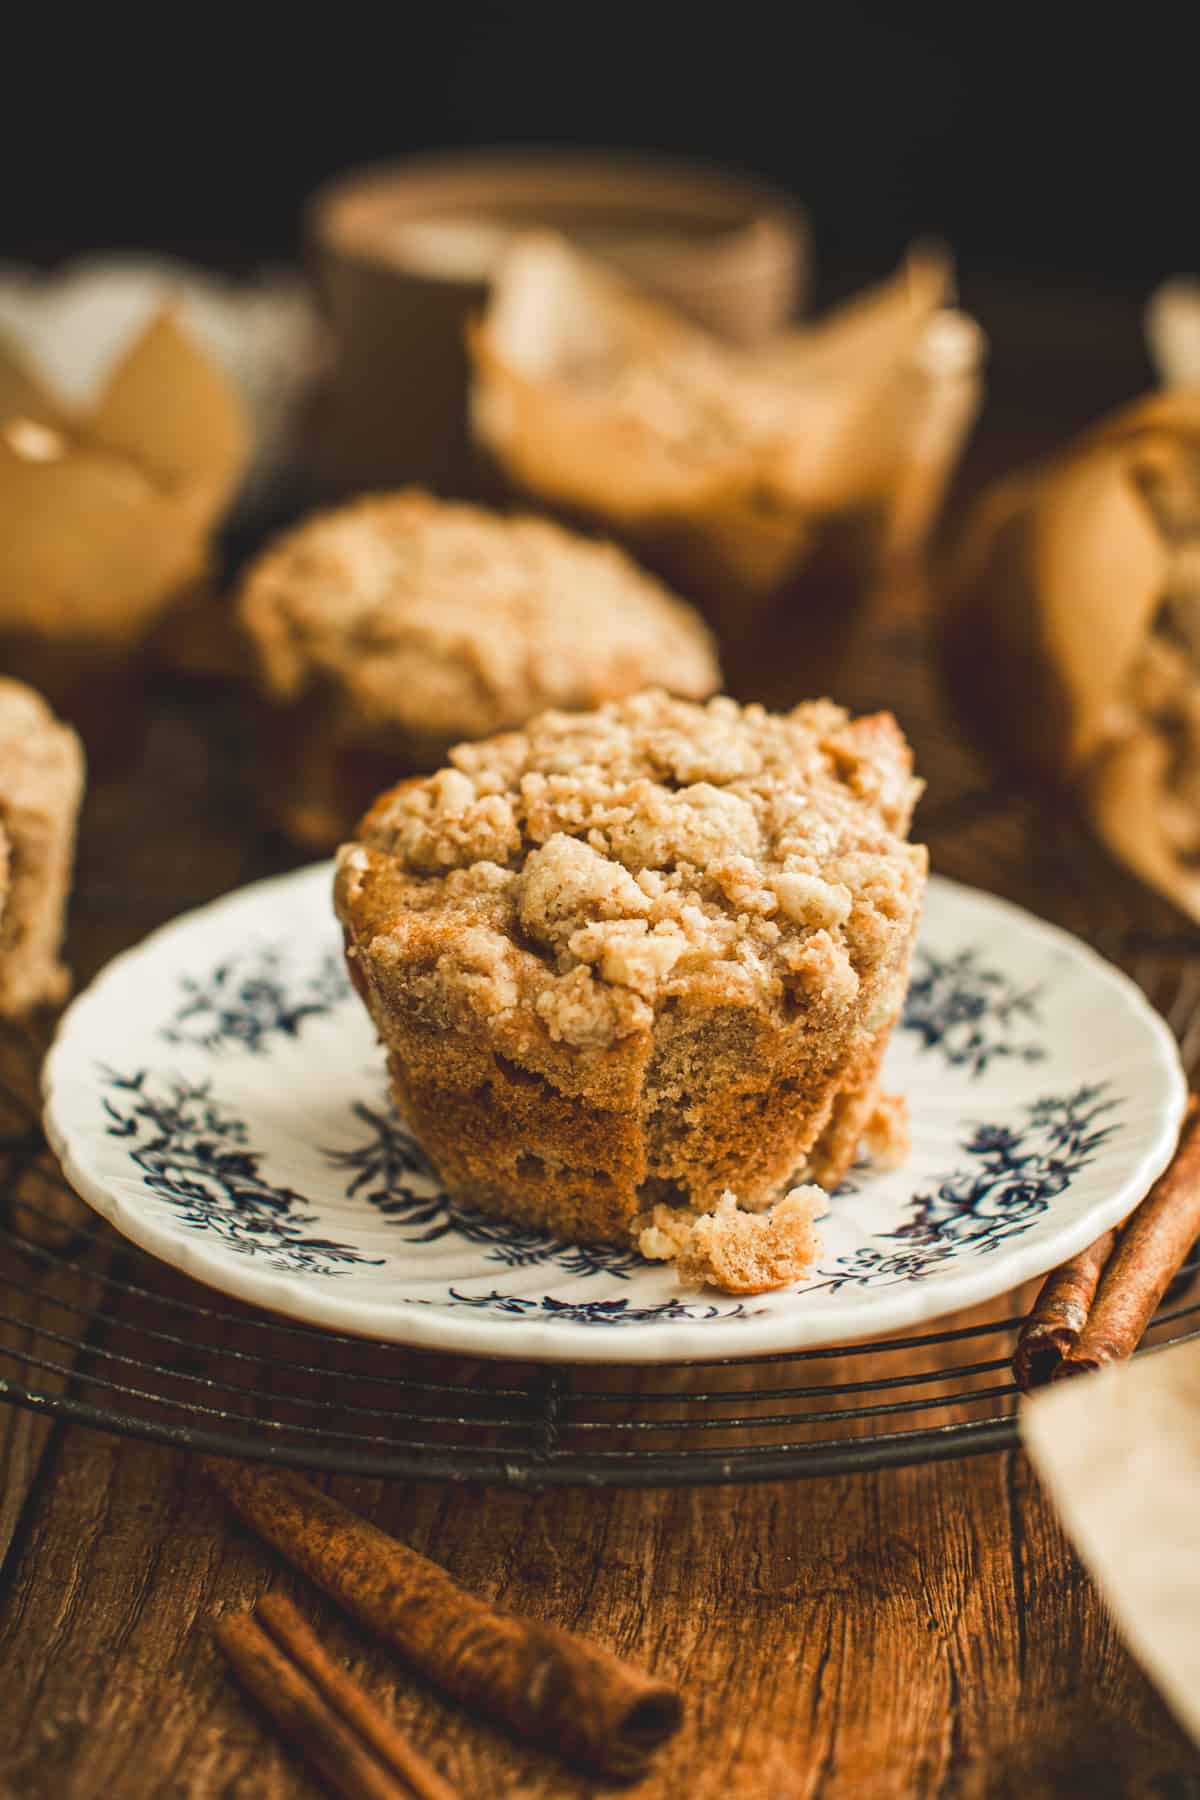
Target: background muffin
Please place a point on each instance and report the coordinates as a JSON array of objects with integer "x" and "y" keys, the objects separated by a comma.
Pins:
[
  {"x": 638, "y": 956},
  {"x": 1071, "y": 631},
  {"x": 41, "y": 785},
  {"x": 109, "y": 502},
  {"x": 388, "y": 630},
  {"x": 727, "y": 468}
]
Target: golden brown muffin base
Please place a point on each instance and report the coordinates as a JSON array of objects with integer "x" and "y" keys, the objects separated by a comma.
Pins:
[{"x": 507, "y": 1142}]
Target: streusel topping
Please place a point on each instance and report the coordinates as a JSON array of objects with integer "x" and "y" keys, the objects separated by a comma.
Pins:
[
  {"x": 594, "y": 867},
  {"x": 454, "y": 621}
]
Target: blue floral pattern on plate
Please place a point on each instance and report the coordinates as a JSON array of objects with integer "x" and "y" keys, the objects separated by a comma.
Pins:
[
  {"x": 1014, "y": 1175},
  {"x": 196, "y": 1155},
  {"x": 970, "y": 1012},
  {"x": 247, "y": 999},
  {"x": 596, "y": 1312},
  {"x": 245, "y": 1136}
]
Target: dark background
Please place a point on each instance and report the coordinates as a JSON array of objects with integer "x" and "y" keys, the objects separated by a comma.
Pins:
[{"x": 1038, "y": 141}]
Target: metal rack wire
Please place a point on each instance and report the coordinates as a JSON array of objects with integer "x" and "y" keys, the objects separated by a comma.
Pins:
[{"x": 94, "y": 1331}]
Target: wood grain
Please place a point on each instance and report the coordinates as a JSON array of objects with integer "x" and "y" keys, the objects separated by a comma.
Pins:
[{"x": 920, "y": 1632}]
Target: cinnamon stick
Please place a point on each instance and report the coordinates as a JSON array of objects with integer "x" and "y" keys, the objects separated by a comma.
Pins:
[
  {"x": 304, "y": 1715},
  {"x": 540, "y": 1682},
  {"x": 1154, "y": 1244},
  {"x": 299, "y": 1641},
  {"x": 1059, "y": 1314}
]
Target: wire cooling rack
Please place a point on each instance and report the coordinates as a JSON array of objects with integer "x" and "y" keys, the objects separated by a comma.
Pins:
[{"x": 94, "y": 1331}]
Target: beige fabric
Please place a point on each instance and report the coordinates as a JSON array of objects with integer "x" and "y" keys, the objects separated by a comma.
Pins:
[{"x": 1119, "y": 1453}]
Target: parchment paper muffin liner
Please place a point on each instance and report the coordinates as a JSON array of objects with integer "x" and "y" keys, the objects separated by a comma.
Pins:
[
  {"x": 405, "y": 254},
  {"x": 723, "y": 467},
  {"x": 106, "y": 516},
  {"x": 1073, "y": 630}
]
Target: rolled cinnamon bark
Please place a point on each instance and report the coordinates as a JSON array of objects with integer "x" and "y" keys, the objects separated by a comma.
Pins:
[
  {"x": 1153, "y": 1246},
  {"x": 542, "y": 1683},
  {"x": 301, "y": 1644},
  {"x": 1059, "y": 1314},
  {"x": 304, "y": 1715}
]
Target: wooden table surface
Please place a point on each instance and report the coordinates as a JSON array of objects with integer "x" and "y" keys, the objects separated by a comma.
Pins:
[{"x": 924, "y": 1631}]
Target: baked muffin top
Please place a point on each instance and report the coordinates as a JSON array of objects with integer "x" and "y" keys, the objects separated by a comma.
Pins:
[
  {"x": 594, "y": 867},
  {"x": 450, "y": 621}
]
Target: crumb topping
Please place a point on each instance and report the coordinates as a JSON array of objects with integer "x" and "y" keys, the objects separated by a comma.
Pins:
[
  {"x": 453, "y": 621},
  {"x": 596, "y": 868},
  {"x": 567, "y": 327}
]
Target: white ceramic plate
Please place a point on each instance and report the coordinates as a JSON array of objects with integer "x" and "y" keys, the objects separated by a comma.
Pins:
[{"x": 218, "y": 1094}]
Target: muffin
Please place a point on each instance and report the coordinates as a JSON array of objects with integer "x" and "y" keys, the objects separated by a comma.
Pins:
[
  {"x": 1071, "y": 631},
  {"x": 107, "y": 513},
  {"x": 625, "y": 960},
  {"x": 387, "y": 630},
  {"x": 41, "y": 784},
  {"x": 726, "y": 468}
]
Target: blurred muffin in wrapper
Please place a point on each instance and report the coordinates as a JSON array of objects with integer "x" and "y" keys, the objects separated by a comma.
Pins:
[
  {"x": 106, "y": 513},
  {"x": 143, "y": 404},
  {"x": 405, "y": 254},
  {"x": 73, "y": 326},
  {"x": 1073, "y": 630},
  {"x": 724, "y": 467}
]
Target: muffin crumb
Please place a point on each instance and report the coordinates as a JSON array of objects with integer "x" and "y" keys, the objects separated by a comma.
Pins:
[
  {"x": 666, "y": 1232},
  {"x": 887, "y": 1135},
  {"x": 751, "y": 1253}
]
